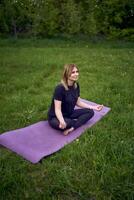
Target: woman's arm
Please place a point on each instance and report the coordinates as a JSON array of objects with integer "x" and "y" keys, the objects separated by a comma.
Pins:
[
  {"x": 59, "y": 115},
  {"x": 85, "y": 105}
]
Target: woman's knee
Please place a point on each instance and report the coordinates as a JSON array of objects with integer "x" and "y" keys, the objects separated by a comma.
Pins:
[
  {"x": 54, "y": 123},
  {"x": 90, "y": 113}
]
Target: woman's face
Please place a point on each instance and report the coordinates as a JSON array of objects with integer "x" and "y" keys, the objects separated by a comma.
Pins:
[{"x": 74, "y": 74}]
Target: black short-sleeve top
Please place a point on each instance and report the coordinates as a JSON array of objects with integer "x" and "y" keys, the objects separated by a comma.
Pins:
[{"x": 68, "y": 100}]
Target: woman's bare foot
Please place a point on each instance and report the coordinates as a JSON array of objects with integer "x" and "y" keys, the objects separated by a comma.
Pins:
[{"x": 68, "y": 131}]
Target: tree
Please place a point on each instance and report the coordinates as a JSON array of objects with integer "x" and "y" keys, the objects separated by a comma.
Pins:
[
  {"x": 45, "y": 18},
  {"x": 70, "y": 17}
]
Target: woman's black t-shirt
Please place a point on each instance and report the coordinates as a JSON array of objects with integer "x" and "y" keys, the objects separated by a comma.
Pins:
[{"x": 67, "y": 97}]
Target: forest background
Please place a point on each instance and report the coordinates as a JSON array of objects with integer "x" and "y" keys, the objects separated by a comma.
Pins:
[{"x": 48, "y": 18}]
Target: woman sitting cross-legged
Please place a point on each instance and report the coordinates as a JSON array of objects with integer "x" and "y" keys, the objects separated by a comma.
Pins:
[{"x": 62, "y": 115}]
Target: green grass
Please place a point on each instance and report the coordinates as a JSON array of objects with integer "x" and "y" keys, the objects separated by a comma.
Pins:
[{"x": 100, "y": 166}]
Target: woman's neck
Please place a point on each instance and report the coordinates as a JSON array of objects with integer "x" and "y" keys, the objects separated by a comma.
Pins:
[{"x": 70, "y": 83}]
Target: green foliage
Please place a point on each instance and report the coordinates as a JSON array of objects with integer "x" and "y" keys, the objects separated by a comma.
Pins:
[
  {"x": 127, "y": 34},
  {"x": 53, "y": 17},
  {"x": 71, "y": 17},
  {"x": 45, "y": 19},
  {"x": 88, "y": 17}
]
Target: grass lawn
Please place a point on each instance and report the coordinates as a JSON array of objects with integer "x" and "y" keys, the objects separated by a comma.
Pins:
[{"x": 100, "y": 166}]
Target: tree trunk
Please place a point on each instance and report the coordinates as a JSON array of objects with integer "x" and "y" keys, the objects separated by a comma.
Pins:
[{"x": 14, "y": 28}]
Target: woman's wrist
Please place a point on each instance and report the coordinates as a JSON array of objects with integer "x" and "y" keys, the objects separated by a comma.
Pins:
[{"x": 91, "y": 107}]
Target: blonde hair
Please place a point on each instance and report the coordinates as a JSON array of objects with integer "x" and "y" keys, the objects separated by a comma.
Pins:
[{"x": 66, "y": 73}]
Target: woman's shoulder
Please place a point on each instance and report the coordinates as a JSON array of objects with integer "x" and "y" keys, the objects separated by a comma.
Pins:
[{"x": 60, "y": 87}]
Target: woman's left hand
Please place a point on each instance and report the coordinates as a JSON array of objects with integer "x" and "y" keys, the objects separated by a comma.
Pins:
[{"x": 98, "y": 107}]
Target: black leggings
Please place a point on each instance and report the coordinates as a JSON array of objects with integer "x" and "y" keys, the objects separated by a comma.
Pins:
[{"x": 76, "y": 119}]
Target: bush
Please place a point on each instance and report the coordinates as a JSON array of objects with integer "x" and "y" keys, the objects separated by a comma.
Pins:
[{"x": 126, "y": 34}]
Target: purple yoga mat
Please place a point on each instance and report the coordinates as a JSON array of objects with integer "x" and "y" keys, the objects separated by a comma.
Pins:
[{"x": 39, "y": 140}]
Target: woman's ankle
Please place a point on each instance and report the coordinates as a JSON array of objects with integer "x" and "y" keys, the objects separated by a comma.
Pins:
[{"x": 67, "y": 131}]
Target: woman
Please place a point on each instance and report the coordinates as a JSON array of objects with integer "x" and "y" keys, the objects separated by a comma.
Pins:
[{"x": 61, "y": 114}]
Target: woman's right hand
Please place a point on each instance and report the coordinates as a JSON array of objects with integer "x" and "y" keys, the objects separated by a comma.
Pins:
[
  {"x": 62, "y": 124},
  {"x": 59, "y": 115}
]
